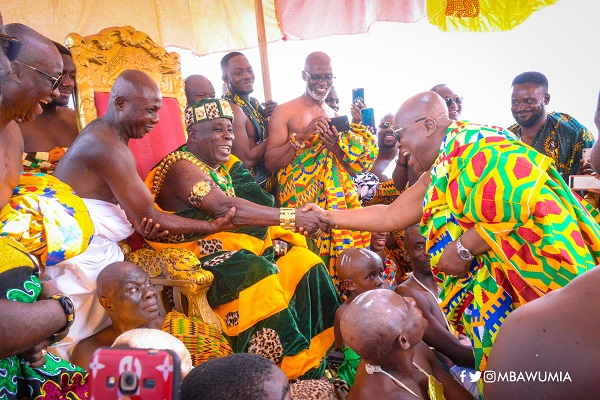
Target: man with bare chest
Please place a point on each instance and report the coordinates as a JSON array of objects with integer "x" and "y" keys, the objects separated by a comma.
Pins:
[{"x": 315, "y": 163}]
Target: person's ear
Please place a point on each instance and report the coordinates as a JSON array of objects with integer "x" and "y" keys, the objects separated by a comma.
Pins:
[
  {"x": 547, "y": 99},
  {"x": 303, "y": 73},
  {"x": 406, "y": 256},
  {"x": 349, "y": 284},
  {"x": 403, "y": 342},
  {"x": 105, "y": 302},
  {"x": 16, "y": 71},
  {"x": 191, "y": 134},
  {"x": 120, "y": 102},
  {"x": 430, "y": 125}
]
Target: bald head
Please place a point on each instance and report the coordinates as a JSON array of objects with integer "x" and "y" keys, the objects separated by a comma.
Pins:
[
  {"x": 198, "y": 87},
  {"x": 351, "y": 261},
  {"x": 424, "y": 104},
  {"x": 112, "y": 276},
  {"x": 133, "y": 83},
  {"x": 146, "y": 338},
  {"x": 377, "y": 321},
  {"x": 35, "y": 47},
  {"x": 422, "y": 121},
  {"x": 317, "y": 57}
]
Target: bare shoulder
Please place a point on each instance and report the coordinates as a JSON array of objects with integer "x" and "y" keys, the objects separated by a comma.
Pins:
[{"x": 288, "y": 107}]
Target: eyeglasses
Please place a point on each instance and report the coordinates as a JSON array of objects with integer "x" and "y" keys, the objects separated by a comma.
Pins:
[
  {"x": 398, "y": 132},
  {"x": 386, "y": 125},
  {"x": 11, "y": 46},
  {"x": 319, "y": 78},
  {"x": 457, "y": 100},
  {"x": 55, "y": 81}
]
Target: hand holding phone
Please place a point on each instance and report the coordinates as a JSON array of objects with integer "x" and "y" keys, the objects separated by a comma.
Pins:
[
  {"x": 341, "y": 123},
  {"x": 368, "y": 118},
  {"x": 136, "y": 373}
]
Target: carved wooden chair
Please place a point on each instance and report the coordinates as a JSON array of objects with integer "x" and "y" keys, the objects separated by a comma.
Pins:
[{"x": 99, "y": 59}]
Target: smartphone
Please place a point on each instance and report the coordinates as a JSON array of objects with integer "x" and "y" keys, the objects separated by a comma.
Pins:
[
  {"x": 358, "y": 94},
  {"x": 341, "y": 123},
  {"x": 583, "y": 182},
  {"x": 585, "y": 155},
  {"x": 139, "y": 374},
  {"x": 368, "y": 117}
]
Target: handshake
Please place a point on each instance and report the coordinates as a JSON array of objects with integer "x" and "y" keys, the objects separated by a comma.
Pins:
[{"x": 311, "y": 220}]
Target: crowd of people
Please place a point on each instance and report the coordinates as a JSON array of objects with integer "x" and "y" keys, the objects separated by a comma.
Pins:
[{"x": 394, "y": 262}]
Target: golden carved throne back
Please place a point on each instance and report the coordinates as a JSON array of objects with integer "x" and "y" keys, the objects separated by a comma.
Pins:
[{"x": 101, "y": 57}]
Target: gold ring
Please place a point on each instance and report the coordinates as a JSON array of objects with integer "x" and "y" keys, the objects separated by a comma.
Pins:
[
  {"x": 318, "y": 232},
  {"x": 44, "y": 352}
]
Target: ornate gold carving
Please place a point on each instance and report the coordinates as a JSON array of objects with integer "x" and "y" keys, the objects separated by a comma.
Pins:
[
  {"x": 100, "y": 58},
  {"x": 462, "y": 8}
]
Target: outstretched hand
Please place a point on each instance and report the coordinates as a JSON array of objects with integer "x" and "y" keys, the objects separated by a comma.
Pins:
[{"x": 312, "y": 224}]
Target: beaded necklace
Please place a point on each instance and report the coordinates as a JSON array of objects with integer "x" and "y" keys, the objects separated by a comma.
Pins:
[{"x": 219, "y": 174}]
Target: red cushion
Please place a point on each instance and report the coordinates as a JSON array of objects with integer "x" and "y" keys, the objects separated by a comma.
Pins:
[{"x": 166, "y": 136}]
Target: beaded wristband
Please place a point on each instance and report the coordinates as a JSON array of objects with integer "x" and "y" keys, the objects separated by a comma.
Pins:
[
  {"x": 296, "y": 144},
  {"x": 287, "y": 218}
]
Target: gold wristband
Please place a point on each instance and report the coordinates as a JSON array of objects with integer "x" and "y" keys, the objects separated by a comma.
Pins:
[{"x": 287, "y": 218}]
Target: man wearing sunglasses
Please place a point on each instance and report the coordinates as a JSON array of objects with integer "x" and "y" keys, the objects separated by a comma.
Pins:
[
  {"x": 32, "y": 319},
  {"x": 313, "y": 161},
  {"x": 48, "y": 137},
  {"x": 452, "y": 100},
  {"x": 502, "y": 226}
]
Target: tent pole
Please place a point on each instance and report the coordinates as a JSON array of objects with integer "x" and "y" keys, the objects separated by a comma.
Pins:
[{"x": 262, "y": 47}]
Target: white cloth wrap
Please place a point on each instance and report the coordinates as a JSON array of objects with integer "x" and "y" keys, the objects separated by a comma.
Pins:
[{"x": 76, "y": 277}]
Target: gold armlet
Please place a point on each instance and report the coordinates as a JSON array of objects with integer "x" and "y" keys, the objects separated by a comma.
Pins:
[
  {"x": 287, "y": 218},
  {"x": 199, "y": 191}
]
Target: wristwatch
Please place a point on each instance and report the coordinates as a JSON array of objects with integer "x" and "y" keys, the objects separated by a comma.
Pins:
[{"x": 463, "y": 252}]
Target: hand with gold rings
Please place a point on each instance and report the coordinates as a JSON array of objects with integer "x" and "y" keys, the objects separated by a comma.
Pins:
[{"x": 318, "y": 232}]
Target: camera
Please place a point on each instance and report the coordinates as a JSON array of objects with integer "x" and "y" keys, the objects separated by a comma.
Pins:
[{"x": 128, "y": 382}]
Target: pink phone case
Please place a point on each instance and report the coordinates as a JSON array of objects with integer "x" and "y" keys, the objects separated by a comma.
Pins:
[{"x": 139, "y": 374}]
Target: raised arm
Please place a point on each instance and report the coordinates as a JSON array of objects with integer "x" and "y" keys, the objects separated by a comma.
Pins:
[
  {"x": 405, "y": 211},
  {"x": 244, "y": 146}
]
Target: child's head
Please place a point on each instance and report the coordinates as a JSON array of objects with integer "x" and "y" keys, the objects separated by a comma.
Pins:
[{"x": 360, "y": 270}]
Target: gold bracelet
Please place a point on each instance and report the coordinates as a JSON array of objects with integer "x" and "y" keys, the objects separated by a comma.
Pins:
[{"x": 287, "y": 218}]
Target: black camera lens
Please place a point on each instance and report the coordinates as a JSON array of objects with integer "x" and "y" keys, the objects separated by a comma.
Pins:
[{"x": 128, "y": 382}]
